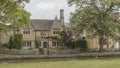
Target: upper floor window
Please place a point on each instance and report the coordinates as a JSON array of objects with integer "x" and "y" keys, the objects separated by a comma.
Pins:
[
  {"x": 17, "y": 31},
  {"x": 56, "y": 31},
  {"x": 43, "y": 33},
  {"x": 26, "y": 31}
]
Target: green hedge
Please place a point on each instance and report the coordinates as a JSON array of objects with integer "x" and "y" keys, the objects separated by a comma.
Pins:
[
  {"x": 11, "y": 41},
  {"x": 0, "y": 45},
  {"x": 41, "y": 50},
  {"x": 82, "y": 44},
  {"x": 15, "y": 41}
]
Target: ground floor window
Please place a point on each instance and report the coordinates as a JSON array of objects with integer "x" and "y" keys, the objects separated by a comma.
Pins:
[
  {"x": 45, "y": 44},
  {"x": 55, "y": 43},
  {"x": 27, "y": 44}
]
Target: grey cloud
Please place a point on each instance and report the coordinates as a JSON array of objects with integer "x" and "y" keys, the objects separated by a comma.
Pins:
[{"x": 48, "y": 9}]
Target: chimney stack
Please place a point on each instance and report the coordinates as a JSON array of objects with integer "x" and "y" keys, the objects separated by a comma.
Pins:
[{"x": 62, "y": 17}]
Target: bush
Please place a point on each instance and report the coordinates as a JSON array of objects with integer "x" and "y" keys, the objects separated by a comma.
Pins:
[
  {"x": 37, "y": 43},
  {"x": 0, "y": 45},
  {"x": 15, "y": 42},
  {"x": 41, "y": 50},
  {"x": 11, "y": 41},
  {"x": 18, "y": 41},
  {"x": 63, "y": 48},
  {"x": 5, "y": 45},
  {"x": 82, "y": 44}
]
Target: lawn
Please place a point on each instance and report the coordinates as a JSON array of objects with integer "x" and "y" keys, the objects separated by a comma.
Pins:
[{"x": 112, "y": 63}]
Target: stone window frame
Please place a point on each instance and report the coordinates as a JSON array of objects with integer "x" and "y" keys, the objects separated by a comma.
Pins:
[
  {"x": 56, "y": 31},
  {"x": 26, "y": 31},
  {"x": 43, "y": 33},
  {"x": 54, "y": 43},
  {"x": 27, "y": 44}
]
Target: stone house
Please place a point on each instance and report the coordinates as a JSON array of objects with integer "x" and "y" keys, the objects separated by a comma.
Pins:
[{"x": 41, "y": 28}]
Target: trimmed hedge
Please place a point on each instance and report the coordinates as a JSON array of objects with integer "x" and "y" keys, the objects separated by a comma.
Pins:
[
  {"x": 18, "y": 41},
  {"x": 15, "y": 42}
]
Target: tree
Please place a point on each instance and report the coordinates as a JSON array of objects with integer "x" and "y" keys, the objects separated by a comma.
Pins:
[
  {"x": 96, "y": 17},
  {"x": 11, "y": 42},
  {"x": 63, "y": 38},
  {"x": 12, "y": 12}
]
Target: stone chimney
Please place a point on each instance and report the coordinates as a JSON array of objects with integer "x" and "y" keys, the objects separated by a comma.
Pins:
[{"x": 62, "y": 17}]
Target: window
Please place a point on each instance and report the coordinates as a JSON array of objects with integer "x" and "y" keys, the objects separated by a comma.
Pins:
[
  {"x": 27, "y": 44},
  {"x": 17, "y": 31},
  {"x": 24, "y": 44},
  {"x": 55, "y": 43},
  {"x": 26, "y": 31},
  {"x": 43, "y": 33},
  {"x": 55, "y": 31},
  {"x": 45, "y": 44}
]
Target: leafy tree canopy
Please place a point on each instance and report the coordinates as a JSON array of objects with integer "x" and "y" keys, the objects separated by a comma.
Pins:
[
  {"x": 12, "y": 12},
  {"x": 96, "y": 17},
  {"x": 99, "y": 17}
]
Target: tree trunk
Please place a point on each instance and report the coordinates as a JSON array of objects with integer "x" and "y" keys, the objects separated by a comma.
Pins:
[
  {"x": 119, "y": 45},
  {"x": 101, "y": 42},
  {"x": 107, "y": 40}
]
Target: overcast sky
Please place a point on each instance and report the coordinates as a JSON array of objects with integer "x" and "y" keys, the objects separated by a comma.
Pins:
[{"x": 48, "y": 9}]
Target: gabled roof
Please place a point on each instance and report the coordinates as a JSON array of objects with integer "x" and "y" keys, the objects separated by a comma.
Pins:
[{"x": 40, "y": 24}]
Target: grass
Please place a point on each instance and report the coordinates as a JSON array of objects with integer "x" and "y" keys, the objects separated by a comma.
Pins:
[{"x": 112, "y": 63}]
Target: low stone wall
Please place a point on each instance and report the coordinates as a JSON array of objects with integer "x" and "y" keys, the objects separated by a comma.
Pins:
[
  {"x": 36, "y": 52},
  {"x": 38, "y": 58},
  {"x": 71, "y": 51},
  {"x": 20, "y": 52}
]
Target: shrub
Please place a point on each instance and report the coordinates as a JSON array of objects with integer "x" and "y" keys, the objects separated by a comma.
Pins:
[
  {"x": 11, "y": 41},
  {"x": 37, "y": 43},
  {"x": 5, "y": 45},
  {"x": 82, "y": 44},
  {"x": 15, "y": 42},
  {"x": 41, "y": 50},
  {"x": 0, "y": 45},
  {"x": 18, "y": 41}
]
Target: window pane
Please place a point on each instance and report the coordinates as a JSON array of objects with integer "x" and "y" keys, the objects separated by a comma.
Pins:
[
  {"x": 28, "y": 43},
  {"x": 24, "y": 43}
]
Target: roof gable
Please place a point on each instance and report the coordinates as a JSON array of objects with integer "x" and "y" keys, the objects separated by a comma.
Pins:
[{"x": 56, "y": 23}]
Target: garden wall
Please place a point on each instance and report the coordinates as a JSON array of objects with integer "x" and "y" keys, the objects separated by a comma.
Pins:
[
  {"x": 70, "y": 51},
  {"x": 19, "y": 52}
]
